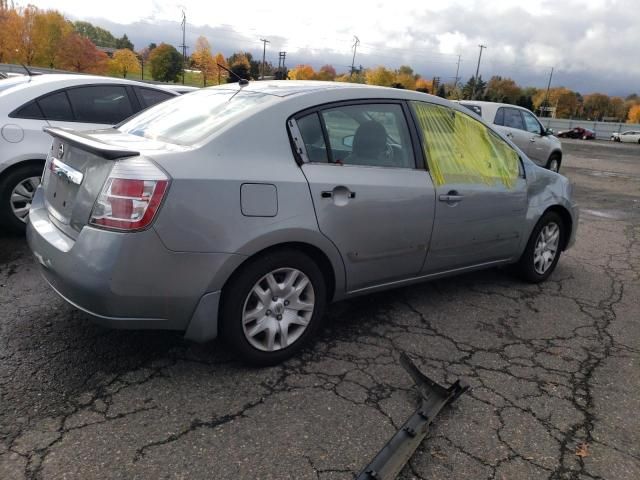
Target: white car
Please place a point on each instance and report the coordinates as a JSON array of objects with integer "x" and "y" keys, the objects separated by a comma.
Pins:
[
  {"x": 630, "y": 136},
  {"x": 523, "y": 128},
  {"x": 80, "y": 102}
]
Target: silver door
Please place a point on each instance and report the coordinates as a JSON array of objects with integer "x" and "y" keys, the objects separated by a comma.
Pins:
[
  {"x": 511, "y": 123},
  {"x": 539, "y": 147},
  {"x": 376, "y": 207},
  {"x": 480, "y": 213}
]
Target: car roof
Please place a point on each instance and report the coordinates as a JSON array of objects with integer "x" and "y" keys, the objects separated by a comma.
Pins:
[{"x": 53, "y": 81}]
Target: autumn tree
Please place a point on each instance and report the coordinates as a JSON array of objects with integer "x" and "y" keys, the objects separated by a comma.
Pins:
[
  {"x": 203, "y": 59},
  {"x": 51, "y": 28},
  {"x": 26, "y": 35},
  {"x": 124, "y": 61},
  {"x": 302, "y": 72},
  {"x": 380, "y": 76},
  {"x": 405, "y": 77},
  {"x": 218, "y": 64},
  {"x": 502, "y": 90},
  {"x": 565, "y": 101},
  {"x": 634, "y": 114},
  {"x": 10, "y": 26},
  {"x": 99, "y": 36},
  {"x": 79, "y": 54},
  {"x": 596, "y": 106},
  {"x": 166, "y": 63},
  {"x": 423, "y": 85},
  {"x": 326, "y": 73}
]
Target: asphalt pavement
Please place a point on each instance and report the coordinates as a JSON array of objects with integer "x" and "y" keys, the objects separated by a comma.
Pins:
[{"x": 554, "y": 370}]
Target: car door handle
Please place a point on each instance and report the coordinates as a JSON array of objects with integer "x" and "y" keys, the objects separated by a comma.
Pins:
[
  {"x": 329, "y": 194},
  {"x": 532, "y": 139},
  {"x": 451, "y": 197},
  {"x": 510, "y": 135}
]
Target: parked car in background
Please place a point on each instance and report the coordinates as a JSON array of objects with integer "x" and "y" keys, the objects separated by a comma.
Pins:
[
  {"x": 523, "y": 128},
  {"x": 242, "y": 211},
  {"x": 578, "y": 132},
  {"x": 55, "y": 100},
  {"x": 630, "y": 136}
]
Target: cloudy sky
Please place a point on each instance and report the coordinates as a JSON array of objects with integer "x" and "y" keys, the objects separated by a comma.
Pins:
[{"x": 593, "y": 45}]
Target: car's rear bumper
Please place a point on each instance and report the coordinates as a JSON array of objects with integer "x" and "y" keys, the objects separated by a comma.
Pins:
[{"x": 130, "y": 280}]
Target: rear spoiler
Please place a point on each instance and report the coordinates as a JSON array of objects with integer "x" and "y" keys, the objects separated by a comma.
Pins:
[{"x": 90, "y": 144}]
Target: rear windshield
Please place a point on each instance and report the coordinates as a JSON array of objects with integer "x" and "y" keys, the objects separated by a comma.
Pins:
[{"x": 189, "y": 119}]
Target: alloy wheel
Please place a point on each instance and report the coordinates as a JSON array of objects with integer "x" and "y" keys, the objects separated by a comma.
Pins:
[
  {"x": 278, "y": 309},
  {"x": 21, "y": 197},
  {"x": 546, "y": 247}
]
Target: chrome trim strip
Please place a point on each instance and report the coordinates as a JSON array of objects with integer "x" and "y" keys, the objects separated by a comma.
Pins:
[{"x": 63, "y": 170}]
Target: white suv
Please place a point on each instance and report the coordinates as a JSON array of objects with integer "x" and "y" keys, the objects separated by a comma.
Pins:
[
  {"x": 80, "y": 102},
  {"x": 524, "y": 129}
]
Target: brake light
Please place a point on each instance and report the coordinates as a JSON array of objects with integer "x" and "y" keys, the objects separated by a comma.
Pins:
[{"x": 131, "y": 195}]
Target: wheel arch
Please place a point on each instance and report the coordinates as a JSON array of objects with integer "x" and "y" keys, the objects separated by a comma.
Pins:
[{"x": 8, "y": 168}]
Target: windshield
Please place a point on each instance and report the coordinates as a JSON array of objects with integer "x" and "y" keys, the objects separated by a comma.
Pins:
[{"x": 189, "y": 119}]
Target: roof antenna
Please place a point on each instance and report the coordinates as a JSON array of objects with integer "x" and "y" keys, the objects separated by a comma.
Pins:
[
  {"x": 243, "y": 82},
  {"x": 28, "y": 71}
]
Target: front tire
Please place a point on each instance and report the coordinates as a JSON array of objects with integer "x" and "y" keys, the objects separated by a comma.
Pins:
[
  {"x": 273, "y": 306},
  {"x": 16, "y": 192},
  {"x": 543, "y": 249}
]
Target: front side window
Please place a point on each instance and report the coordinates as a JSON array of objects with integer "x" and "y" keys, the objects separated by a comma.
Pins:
[
  {"x": 531, "y": 123},
  {"x": 108, "y": 104},
  {"x": 459, "y": 149},
  {"x": 374, "y": 135},
  {"x": 513, "y": 119}
]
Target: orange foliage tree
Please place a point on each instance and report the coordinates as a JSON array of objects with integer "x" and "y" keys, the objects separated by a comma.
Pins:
[
  {"x": 634, "y": 114},
  {"x": 81, "y": 55},
  {"x": 302, "y": 72}
]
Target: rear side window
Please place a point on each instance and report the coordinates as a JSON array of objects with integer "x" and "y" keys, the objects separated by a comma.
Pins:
[
  {"x": 30, "y": 110},
  {"x": 313, "y": 138},
  {"x": 56, "y": 107},
  {"x": 150, "y": 97},
  {"x": 373, "y": 135},
  {"x": 513, "y": 119},
  {"x": 108, "y": 104},
  {"x": 459, "y": 149}
]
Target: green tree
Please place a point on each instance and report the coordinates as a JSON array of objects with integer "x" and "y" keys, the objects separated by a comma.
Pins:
[
  {"x": 99, "y": 36},
  {"x": 239, "y": 65},
  {"x": 166, "y": 63},
  {"x": 124, "y": 42},
  {"x": 502, "y": 90},
  {"x": 468, "y": 90}
]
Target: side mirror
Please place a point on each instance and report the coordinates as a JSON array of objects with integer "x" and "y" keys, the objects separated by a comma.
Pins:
[
  {"x": 548, "y": 131},
  {"x": 348, "y": 141}
]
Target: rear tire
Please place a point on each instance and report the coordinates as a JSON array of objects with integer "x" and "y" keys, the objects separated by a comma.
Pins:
[
  {"x": 543, "y": 249},
  {"x": 16, "y": 191},
  {"x": 273, "y": 306}
]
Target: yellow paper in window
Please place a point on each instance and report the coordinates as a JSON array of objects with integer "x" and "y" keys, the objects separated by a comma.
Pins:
[{"x": 460, "y": 149}]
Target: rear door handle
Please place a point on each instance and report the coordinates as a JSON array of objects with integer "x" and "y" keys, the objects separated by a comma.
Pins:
[
  {"x": 329, "y": 193},
  {"x": 532, "y": 139}
]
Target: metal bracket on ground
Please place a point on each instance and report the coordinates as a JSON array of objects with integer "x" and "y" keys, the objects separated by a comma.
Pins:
[{"x": 388, "y": 463}]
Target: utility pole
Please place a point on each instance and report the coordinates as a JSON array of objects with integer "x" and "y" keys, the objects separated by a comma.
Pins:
[
  {"x": 264, "y": 52},
  {"x": 457, "y": 78},
  {"x": 281, "y": 66},
  {"x": 546, "y": 95},
  {"x": 184, "y": 43},
  {"x": 355, "y": 47},
  {"x": 475, "y": 83}
]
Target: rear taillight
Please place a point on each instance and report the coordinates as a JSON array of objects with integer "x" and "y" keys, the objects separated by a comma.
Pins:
[{"x": 131, "y": 195}]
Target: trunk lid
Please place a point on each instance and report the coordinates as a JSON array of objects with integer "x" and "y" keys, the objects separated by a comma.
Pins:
[{"x": 77, "y": 167}]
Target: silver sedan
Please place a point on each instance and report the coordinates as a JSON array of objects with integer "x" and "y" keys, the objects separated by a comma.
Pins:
[{"x": 241, "y": 211}]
